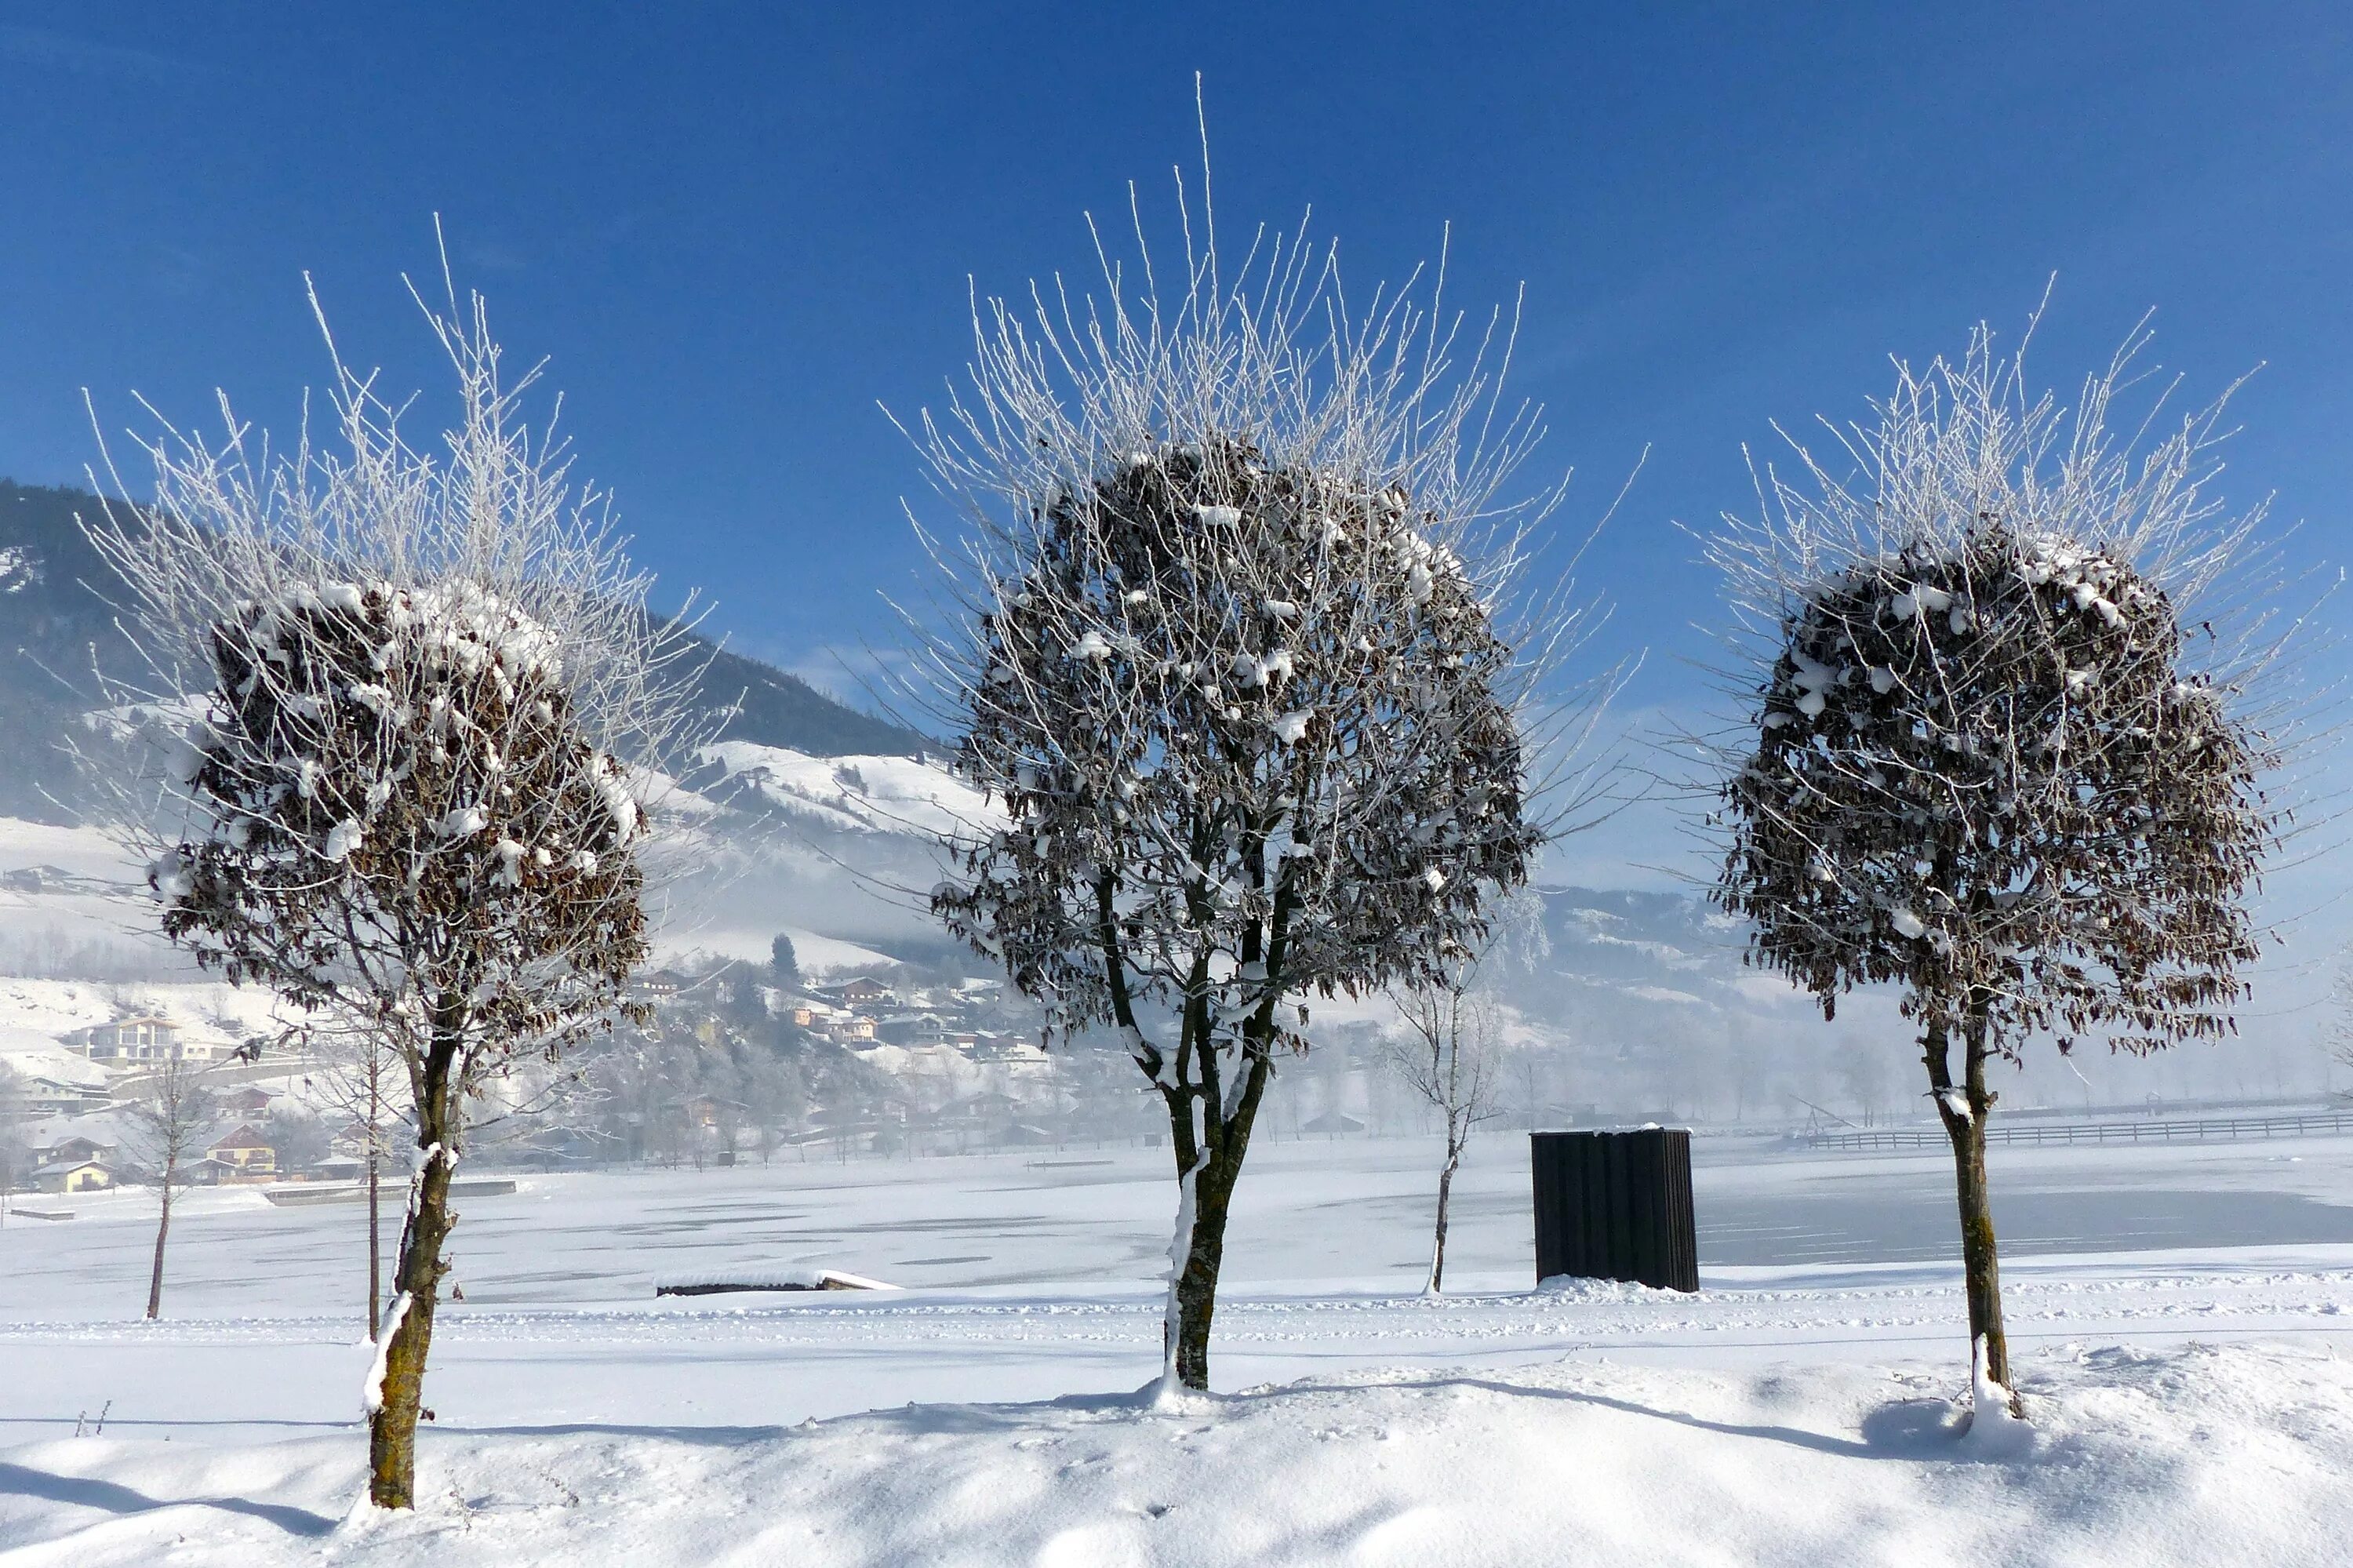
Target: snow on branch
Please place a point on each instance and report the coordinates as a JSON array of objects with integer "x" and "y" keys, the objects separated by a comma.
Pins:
[
  {"x": 1239, "y": 634},
  {"x": 2001, "y": 750},
  {"x": 398, "y": 718}
]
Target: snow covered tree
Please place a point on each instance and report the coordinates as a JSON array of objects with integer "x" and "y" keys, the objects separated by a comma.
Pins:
[
  {"x": 413, "y": 692},
  {"x": 1450, "y": 1058},
  {"x": 174, "y": 1112},
  {"x": 1999, "y": 756},
  {"x": 1232, "y": 650}
]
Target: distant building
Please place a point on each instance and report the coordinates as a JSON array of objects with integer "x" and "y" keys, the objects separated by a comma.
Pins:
[
  {"x": 137, "y": 1041},
  {"x": 45, "y": 1096},
  {"x": 910, "y": 1029},
  {"x": 243, "y": 1153},
  {"x": 1009, "y": 1049},
  {"x": 73, "y": 1176},
  {"x": 246, "y": 1101},
  {"x": 865, "y": 993},
  {"x": 74, "y": 1150},
  {"x": 657, "y": 985}
]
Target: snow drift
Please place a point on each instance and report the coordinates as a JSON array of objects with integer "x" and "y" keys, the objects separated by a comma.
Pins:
[{"x": 2205, "y": 1456}]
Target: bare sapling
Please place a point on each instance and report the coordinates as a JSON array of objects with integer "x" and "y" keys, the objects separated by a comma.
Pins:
[
  {"x": 1999, "y": 750},
  {"x": 13, "y": 1155},
  {"x": 1236, "y": 641},
  {"x": 405, "y": 708},
  {"x": 361, "y": 1078},
  {"x": 172, "y": 1115},
  {"x": 1448, "y": 1055},
  {"x": 2338, "y": 1030}
]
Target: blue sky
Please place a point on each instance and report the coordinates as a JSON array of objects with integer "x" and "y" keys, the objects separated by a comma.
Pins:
[{"x": 735, "y": 228}]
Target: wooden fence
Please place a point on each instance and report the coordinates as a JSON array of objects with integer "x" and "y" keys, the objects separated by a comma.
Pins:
[{"x": 2205, "y": 1129}]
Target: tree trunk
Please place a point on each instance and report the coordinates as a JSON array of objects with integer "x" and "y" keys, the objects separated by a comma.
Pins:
[
  {"x": 163, "y": 1230},
  {"x": 1194, "y": 1294},
  {"x": 1437, "y": 1285},
  {"x": 397, "y": 1399},
  {"x": 1963, "y": 1109},
  {"x": 375, "y": 1241},
  {"x": 1197, "y": 1285},
  {"x": 400, "y": 1396}
]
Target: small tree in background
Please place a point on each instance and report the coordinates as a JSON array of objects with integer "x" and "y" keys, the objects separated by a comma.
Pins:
[
  {"x": 361, "y": 1078},
  {"x": 784, "y": 964},
  {"x": 1998, "y": 756},
  {"x": 2337, "y": 1031},
  {"x": 1231, "y": 653},
  {"x": 404, "y": 683},
  {"x": 14, "y": 1156},
  {"x": 174, "y": 1112},
  {"x": 1450, "y": 1057}
]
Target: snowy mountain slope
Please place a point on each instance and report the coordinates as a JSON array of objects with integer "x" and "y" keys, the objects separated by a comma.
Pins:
[
  {"x": 57, "y": 620},
  {"x": 1627, "y": 951},
  {"x": 69, "y": 901},
  {"x": 805, "y": 816},
  {"x": 857, "y": 794}
]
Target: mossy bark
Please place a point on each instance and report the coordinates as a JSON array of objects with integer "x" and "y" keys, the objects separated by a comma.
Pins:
[
  {"x": 399, "y": 1399},
  {"x": 1195, "y": 1288},
  {"x": 1197, "y": 1285}
]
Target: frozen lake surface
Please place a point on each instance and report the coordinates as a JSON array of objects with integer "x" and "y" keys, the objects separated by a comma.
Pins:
[
  {"x": 1354, "y": 1211},
  {"x": 1038, "y": 1275},
  {"x": 2179, "y": 1315}
]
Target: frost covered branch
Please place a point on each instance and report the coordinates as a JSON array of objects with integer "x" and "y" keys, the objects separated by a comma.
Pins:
[
  {"x": 2006, "y": 752},
  {"x": 395, "y": 752},
  {"x": 1237, "y": 639}
]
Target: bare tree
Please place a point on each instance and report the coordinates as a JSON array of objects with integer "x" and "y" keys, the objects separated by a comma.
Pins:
[
  {"x": 2338, "y": 1030},
  {"x": 171, "y": 1119},
  {"x": 362, "y": 1078},
  {"x": 416, "y": 695},
  {"x": 1996, "y": 751},
  {"x": 14, "y": 1156},
  {"x": 1238, "y": 644},
  {"x": 1450, "y": 1056}
]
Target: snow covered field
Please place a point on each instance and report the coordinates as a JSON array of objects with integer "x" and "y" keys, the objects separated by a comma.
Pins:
[{"x": 2180, "y": 1316}]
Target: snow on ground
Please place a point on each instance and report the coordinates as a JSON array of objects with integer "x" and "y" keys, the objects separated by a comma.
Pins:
[
  {"x": 210, "y": 1012},
  {"x": 2213, "y": 1455},
  {"x": 816, "y": 955},
  {"x": 2191, "y": 1401},
  {"x": 860, "y": 794}
]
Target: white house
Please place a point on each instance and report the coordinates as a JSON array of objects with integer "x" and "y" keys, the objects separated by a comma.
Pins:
[
  {"x": 54, "y": 1079},
  {"x": 47, "y": 1094},
  {"x": 147, "y": 1037}
]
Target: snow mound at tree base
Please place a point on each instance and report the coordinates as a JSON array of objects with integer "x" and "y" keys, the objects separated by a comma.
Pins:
[{"x": 2235, "y": 1454}]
